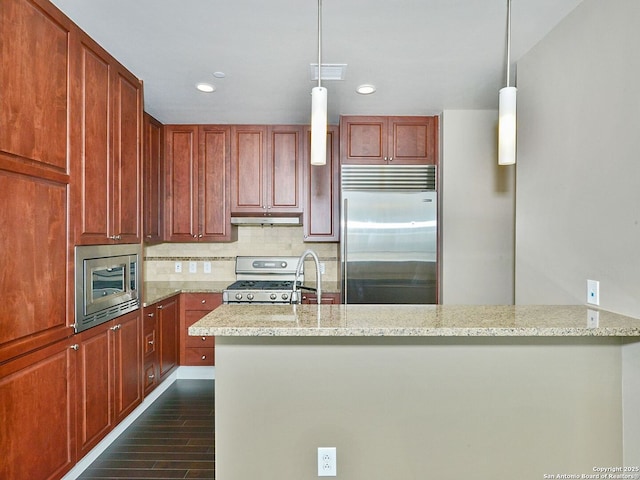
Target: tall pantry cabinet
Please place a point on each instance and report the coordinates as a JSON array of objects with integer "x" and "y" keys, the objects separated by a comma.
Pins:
[{"x": 70, "y": 129}]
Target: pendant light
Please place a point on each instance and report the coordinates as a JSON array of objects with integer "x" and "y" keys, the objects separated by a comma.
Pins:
[
  {"x": 319, "y": 108},
  {"x": 507, "y": 110}
]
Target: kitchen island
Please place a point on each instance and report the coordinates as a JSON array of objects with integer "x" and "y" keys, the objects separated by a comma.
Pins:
[{"x": 414, "y": 392}]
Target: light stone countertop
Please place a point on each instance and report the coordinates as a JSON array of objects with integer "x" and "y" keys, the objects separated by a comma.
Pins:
[{"x": 412, "y": 321}]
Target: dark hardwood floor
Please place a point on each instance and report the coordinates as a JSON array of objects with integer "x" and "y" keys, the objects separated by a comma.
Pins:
[{"x": 173, "y": 438}]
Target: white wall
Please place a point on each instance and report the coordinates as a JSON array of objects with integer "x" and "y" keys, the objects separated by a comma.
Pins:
[
  {"x": 578, "y": 173},
  {"x": 578, "y": 195},
  {"x": 477, "y": 202}
]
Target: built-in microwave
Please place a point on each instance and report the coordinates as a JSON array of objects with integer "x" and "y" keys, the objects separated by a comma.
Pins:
[{"x": 107, "y": 283}]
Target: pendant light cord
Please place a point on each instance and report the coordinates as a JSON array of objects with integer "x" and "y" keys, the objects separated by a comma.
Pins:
[
  {"x": 319, "y": 43},
  {"x": 508, "y": 40}
]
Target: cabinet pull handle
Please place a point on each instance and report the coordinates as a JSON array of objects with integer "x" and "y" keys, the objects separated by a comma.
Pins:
[
  {"x": 151, "y": 315},
  {"x": 160, "y": 307},
  {"x": 116, "y": 327},
  {"x": 150, "y": 342},
  {"x": 152, "y": 376},
  {"x": 75, "y": 347}
]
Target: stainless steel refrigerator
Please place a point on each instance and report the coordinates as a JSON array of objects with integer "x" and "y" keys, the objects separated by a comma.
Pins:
[{"x": 388, "y": 236}]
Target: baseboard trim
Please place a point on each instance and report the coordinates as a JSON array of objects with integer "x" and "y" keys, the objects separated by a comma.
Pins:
[{"x": 190, "y": 373}]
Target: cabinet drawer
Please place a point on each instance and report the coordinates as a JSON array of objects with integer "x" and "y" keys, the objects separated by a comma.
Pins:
[
  {"x": 199, "y": 342},
  {"x": 149, "y": 343},
  {"x": 201, "y": 301},
  {"x": 199, "y": 356},
  {"x": 150, "y": 377}
]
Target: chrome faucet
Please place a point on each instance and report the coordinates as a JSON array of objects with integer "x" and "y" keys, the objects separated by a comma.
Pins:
[{"x": 318, "y": 276}]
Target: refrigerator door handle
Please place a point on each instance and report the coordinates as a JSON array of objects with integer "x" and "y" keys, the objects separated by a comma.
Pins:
[{"x": 345, "y": 211}]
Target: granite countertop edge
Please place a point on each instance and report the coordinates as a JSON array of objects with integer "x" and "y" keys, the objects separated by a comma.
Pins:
[{"x": 413, "y": 321}]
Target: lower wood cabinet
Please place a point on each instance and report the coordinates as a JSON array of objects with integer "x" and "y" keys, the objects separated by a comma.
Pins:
[
  {"x": 109, "y": 375},
  {"x": 160, "y": 341},
  {"x": 196, "y": 350},
  {"x": 37, "y": 412},
  {"x": 325, "y": 298}
]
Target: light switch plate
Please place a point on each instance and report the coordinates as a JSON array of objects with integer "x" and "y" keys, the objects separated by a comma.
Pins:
[{"x": 593, "y": 292}]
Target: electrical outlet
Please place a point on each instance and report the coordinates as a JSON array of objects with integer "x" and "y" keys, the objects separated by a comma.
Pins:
[
  {"x": 178, "y": 267},
  {"x": 327, "y": 462},
  {"x": 207, "y": 267},
  {"x": 593, "y": 292},
  {"x": 593, "y": 318},
  {"x": 193, "y": 267}
]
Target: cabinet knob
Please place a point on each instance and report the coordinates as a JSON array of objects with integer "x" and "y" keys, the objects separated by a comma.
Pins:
[
  {"x": 204, "y": 357},
  {"x": 151, "y": 342},
  {"x": 151, "y": 314},
  {"x": 152, "y": 376},
  {"x": 204, "y": 301},
  {"x": 195, "y": 236},
  {"x": 200, "y": 236},
  {"x": 391, "y": 159},
  {"x": 204, "y": 339},
  {"x": 160, "y": 307},
  {"x": 75, "y": 347},
  {"x": 116, "y": 327}
]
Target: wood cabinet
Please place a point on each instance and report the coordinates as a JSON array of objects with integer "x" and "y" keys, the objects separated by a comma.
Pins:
[
  {"x": 194, "y": 306},
  {"x": 160, "y": 341},
  {"x": 152, "y": 183},
  {"x": 105, "y": 147},
  {"x": 197, "y": 183},
  {"x": 385, "y": 140},
  {"x": 38, "y": 400},
  {"x": 109, "y": 377},
  {"x": 326, "y": 298},
  {"x": 267, "y": 170},
  {"x": 34, "y": 175},
  {"x": 321, "y": 217}
]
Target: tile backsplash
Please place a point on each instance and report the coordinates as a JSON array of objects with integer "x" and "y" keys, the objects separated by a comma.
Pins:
[{"x": 160, "y": 259}]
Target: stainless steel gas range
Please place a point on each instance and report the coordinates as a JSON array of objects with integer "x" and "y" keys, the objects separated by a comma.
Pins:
[{"x": 264, "y": 280}]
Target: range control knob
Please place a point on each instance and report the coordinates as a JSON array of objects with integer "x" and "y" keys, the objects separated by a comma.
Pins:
[
  {"x": 249, "y": 296},
  {"x": 285, "y": 296},
  {"x": 238, "y": 296},
  {"x": 273, "y": 296},
  {"x": 283, "y": 264}
]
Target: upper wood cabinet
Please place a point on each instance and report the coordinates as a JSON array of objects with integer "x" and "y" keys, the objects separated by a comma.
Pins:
[
  {"x": 321, "y": 215},
  {"x": 385, "y": 140},
  {"x": 197, "y": 183},
  {"x": 34, "y": 78},
  {"x": 105, "y": 148},
  {"x": 267, "y": 170},
  {"x": 152, "y": 183}
]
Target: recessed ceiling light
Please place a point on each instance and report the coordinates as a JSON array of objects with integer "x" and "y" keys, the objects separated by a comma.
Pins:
[
  {"x": 366, "y": 89},
  {"x": 219, "y": 74},
  {"x": 205, "y": 87}
]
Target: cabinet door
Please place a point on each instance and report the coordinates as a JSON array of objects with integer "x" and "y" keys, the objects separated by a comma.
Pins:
[
  {"x": 36, "y": 67},
  {"x": 37, "y": 401},
  {"x": 168, "y": 335},
  {"x": 127, "y": 364},
  {"x": 214, "y": 183},
  {"x": 150, "y": 375},
  {"x": 152, "y": 180},
  {"x": 322, "y": 192},
  {"x": 181, "y": 183},
  {"x": 95, "y": 386},
  {"x": 413, "y": 140},
  {"x": 91, "y": 144},
  {"x": 127, "y": 155},
  {"x": 363, "y": 140},
  {"x": 285, "y": 170},
  {"x": 248, "y": 169}
]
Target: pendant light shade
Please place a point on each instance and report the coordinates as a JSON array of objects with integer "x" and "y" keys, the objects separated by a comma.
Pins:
[
  {"x": 319, "y": 126},
  {"x": 507, "y": 109},
  {"x": 319, "y": 108},
  {"x": 507, "y": 126}
]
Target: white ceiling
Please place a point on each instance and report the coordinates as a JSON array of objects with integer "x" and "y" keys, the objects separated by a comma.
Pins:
[{"x": 423, "y": 55}]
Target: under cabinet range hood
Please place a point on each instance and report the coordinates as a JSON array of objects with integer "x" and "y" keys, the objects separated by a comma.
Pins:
[{"x": 280, "y": 221}]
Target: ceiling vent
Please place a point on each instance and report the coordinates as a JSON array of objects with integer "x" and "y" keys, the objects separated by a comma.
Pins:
[{"x": 330, "y": 71}]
